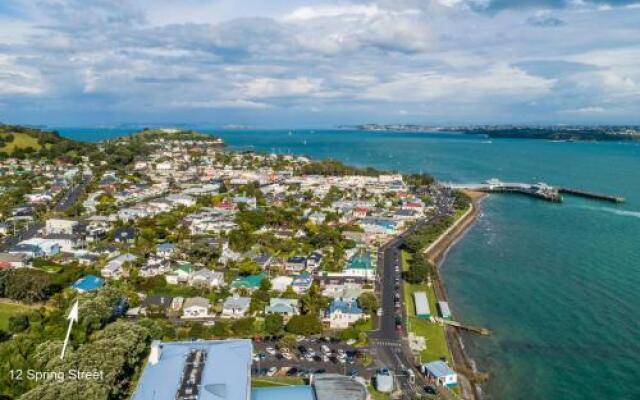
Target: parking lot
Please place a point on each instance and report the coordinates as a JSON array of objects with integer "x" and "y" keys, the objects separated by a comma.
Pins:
[{"x": 309, "y": 357}]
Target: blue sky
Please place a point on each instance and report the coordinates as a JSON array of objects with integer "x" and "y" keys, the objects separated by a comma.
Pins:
[{"x": 283, "y": 63}]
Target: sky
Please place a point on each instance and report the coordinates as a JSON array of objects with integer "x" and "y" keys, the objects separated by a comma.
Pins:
[{"x": 314, "y": 63}]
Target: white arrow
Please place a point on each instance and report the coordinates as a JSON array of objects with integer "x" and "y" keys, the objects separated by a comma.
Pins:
[{"x": 72, "y": 317}]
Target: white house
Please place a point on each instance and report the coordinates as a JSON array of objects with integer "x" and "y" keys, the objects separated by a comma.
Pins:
[
  {"x": 195, "y": 307},
  {"x": 60, "y": 226},
  {"x": 206, "y": 277},
  {"x": 441, "y": 373},
  {"x": 235, "y": 306},
  {"x": 281, "y": 283}
]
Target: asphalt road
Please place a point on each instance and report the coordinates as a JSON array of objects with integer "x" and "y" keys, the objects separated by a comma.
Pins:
[{"x": 387, "y": 344}]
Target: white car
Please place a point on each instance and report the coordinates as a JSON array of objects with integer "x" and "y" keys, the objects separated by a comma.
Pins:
[
  {"x": 380, "y": 312},
  {"x": 325, "y": 349},
  {"x": 272, "y": 371},
  {"x": 287, "y": 356},
  {"x": 271, "y": 351}
]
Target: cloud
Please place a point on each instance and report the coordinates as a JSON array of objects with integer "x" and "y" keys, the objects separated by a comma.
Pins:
[
  {"x": 318, "y": 61},
  {"x": 545, "y": 21}
]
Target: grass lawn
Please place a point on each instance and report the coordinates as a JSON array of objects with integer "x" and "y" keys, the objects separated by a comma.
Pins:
[
  {"x": 375, "y": 395},
  {"x": 22, "y": 141},
  {"x": 269, "y": 381},
  {"x": 433, "y": 333},
  {"x": 7, "y": 310}
]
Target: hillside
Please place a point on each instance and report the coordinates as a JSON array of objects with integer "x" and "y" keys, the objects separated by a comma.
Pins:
[{"x": 24, "y": 142}]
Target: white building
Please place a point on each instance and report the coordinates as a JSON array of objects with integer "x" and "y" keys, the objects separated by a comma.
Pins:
[{"x": 195, "y": 307}]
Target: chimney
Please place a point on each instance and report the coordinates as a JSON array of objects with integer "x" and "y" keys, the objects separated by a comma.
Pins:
[{"x": 156, "y": 349}]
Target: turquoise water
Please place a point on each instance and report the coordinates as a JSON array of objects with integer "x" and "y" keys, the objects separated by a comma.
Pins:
[{"x": 559, "y": 284}]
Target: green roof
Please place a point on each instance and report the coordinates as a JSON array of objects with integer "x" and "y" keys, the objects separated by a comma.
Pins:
[
  {"x": 250, "y": 281},
  {"x": 361, "y": 261}
]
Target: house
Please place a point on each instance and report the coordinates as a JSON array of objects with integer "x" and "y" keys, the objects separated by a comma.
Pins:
[
  {"x": 281, "y": 283},
  {"x": 114, "y": 268},
  {"x": 14, "y": 260},
  {"x": 296, "y": 264},
  {"x": 182, "y": 199},
  {"x": 235, "y": 306},
  {"x": 249, "y": 202},
  {"x": 195, "y": 307},
  {"x": 302, "y": 283},
  {"x": 68, "y": 242},
  {"x": 206, "y": 278},
  {"x": 263, "y": 260},
  {"x": 180, "y": 274},
  {"x": 28, "y": 250},
  {"x": 125, "y": 235},
  {"x": 313, "y": 261},
  {"x": 317, "y": 217},
  {"x": 284, "y": 307},
  {"x": 60, "y": 226},
  {"x": 422, "y": 305},
  {"x": 441, "y": 373},
  {"x": 159, "y": 303},
  {"x": 342, "y": 313},
  {"x": 88, "y": 283},
  {"x": 362, "y": 265},
  {"x": 165, "y": 249},
  {"x": 250, "y": 282}
]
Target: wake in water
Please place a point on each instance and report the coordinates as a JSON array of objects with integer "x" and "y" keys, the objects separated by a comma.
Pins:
[{"x": 624, "y": 213}]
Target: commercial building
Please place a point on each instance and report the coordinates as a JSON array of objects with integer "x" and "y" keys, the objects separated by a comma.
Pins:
[{"x": 203, "y": 370}]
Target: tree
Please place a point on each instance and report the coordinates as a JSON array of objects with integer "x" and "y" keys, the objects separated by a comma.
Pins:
[
  {"x": 243, "y": 327},
  {"x": 368, "y": 302},
  {"x": 18, "y": 323},
  {"x": 305, "y": 325},
  {"x": 273, "y": 324},
  {"x": 419, "y": 268}
]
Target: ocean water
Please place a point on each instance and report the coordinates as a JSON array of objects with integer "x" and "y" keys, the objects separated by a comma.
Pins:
[{"x": 559, "y": 284}]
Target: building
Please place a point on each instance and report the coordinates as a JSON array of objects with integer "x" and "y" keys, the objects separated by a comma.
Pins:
[
  {"x": 203, "y": 370},
  {"x": 342, "y": 313},
  {"x": 281, "y": 283},
  {"x": 195, "y": 307},
  {"x": 60, "y": 226},
  {"x": 445, "y": 312},
  {"x": 441, "y": 373},
  {"x": 206, "y": 278},
  {"x": 284, "y": 307},
  {"x": 296, "y": 264},
  {"x": 384, "y": 380},
  {"x": 88, "y": 283},
  {"x": 422, "y": 305},
  {"x": 250, "y": 282},
  {"x": 361, "y": 265},
  {"x": 236, "y": 306},
  {"x": 165, "y": 249}
]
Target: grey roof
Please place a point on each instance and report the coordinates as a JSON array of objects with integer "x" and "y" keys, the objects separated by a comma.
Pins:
[
  {"x": 338, "y": 387},
  {"x": 196, "y": 301}
]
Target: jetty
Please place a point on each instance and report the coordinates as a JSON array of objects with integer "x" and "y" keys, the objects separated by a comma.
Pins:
[
  {"x": 591, "y": 195},
  {"x": 460, "y": 325},
  {"x": 538, "y": 190}
]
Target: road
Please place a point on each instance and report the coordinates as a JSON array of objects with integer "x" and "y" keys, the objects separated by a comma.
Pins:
[
  {"x": 386, "y": 342},
  {"x": 69, "y": 198}
]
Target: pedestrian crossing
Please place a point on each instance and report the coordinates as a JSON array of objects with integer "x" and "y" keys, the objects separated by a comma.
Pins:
[{"x": 386, "y": 343}]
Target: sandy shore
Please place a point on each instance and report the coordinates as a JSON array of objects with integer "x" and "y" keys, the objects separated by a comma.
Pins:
[{"x": 436, "y": 253}]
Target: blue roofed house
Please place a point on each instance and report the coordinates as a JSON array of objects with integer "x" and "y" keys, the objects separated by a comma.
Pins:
[
  {"x": 88, "y": 283},
  {"x": 203, "y": 370},
  {"x": 302, "y": 282},
  {"x": 250, "y": 282},
  {"x": 165, "y": 249},
  {"x": 342, "y": 312},
  {"x": 439, "y": 372}
]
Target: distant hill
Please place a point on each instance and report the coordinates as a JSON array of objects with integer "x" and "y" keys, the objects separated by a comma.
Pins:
[{"x": 174, "y": 134}]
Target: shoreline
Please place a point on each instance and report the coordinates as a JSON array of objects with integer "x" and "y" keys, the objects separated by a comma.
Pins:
[{"x": 436, "y": 253}]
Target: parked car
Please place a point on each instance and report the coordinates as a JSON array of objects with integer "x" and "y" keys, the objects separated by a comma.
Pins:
[
  {"x": 272, "y": 371},
  {"x": 271, "y": 350}
]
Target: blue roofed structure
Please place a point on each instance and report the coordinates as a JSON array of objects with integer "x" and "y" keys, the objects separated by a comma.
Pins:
[
  {"x": 88, "y": 283},
  {"x": 441, "y": 373},
  {"x": 203, "y": 370},
  {"x": 301, "y": 392}
]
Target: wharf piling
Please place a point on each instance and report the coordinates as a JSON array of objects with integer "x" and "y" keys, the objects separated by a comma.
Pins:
[{"x": 591, "y": 195}]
